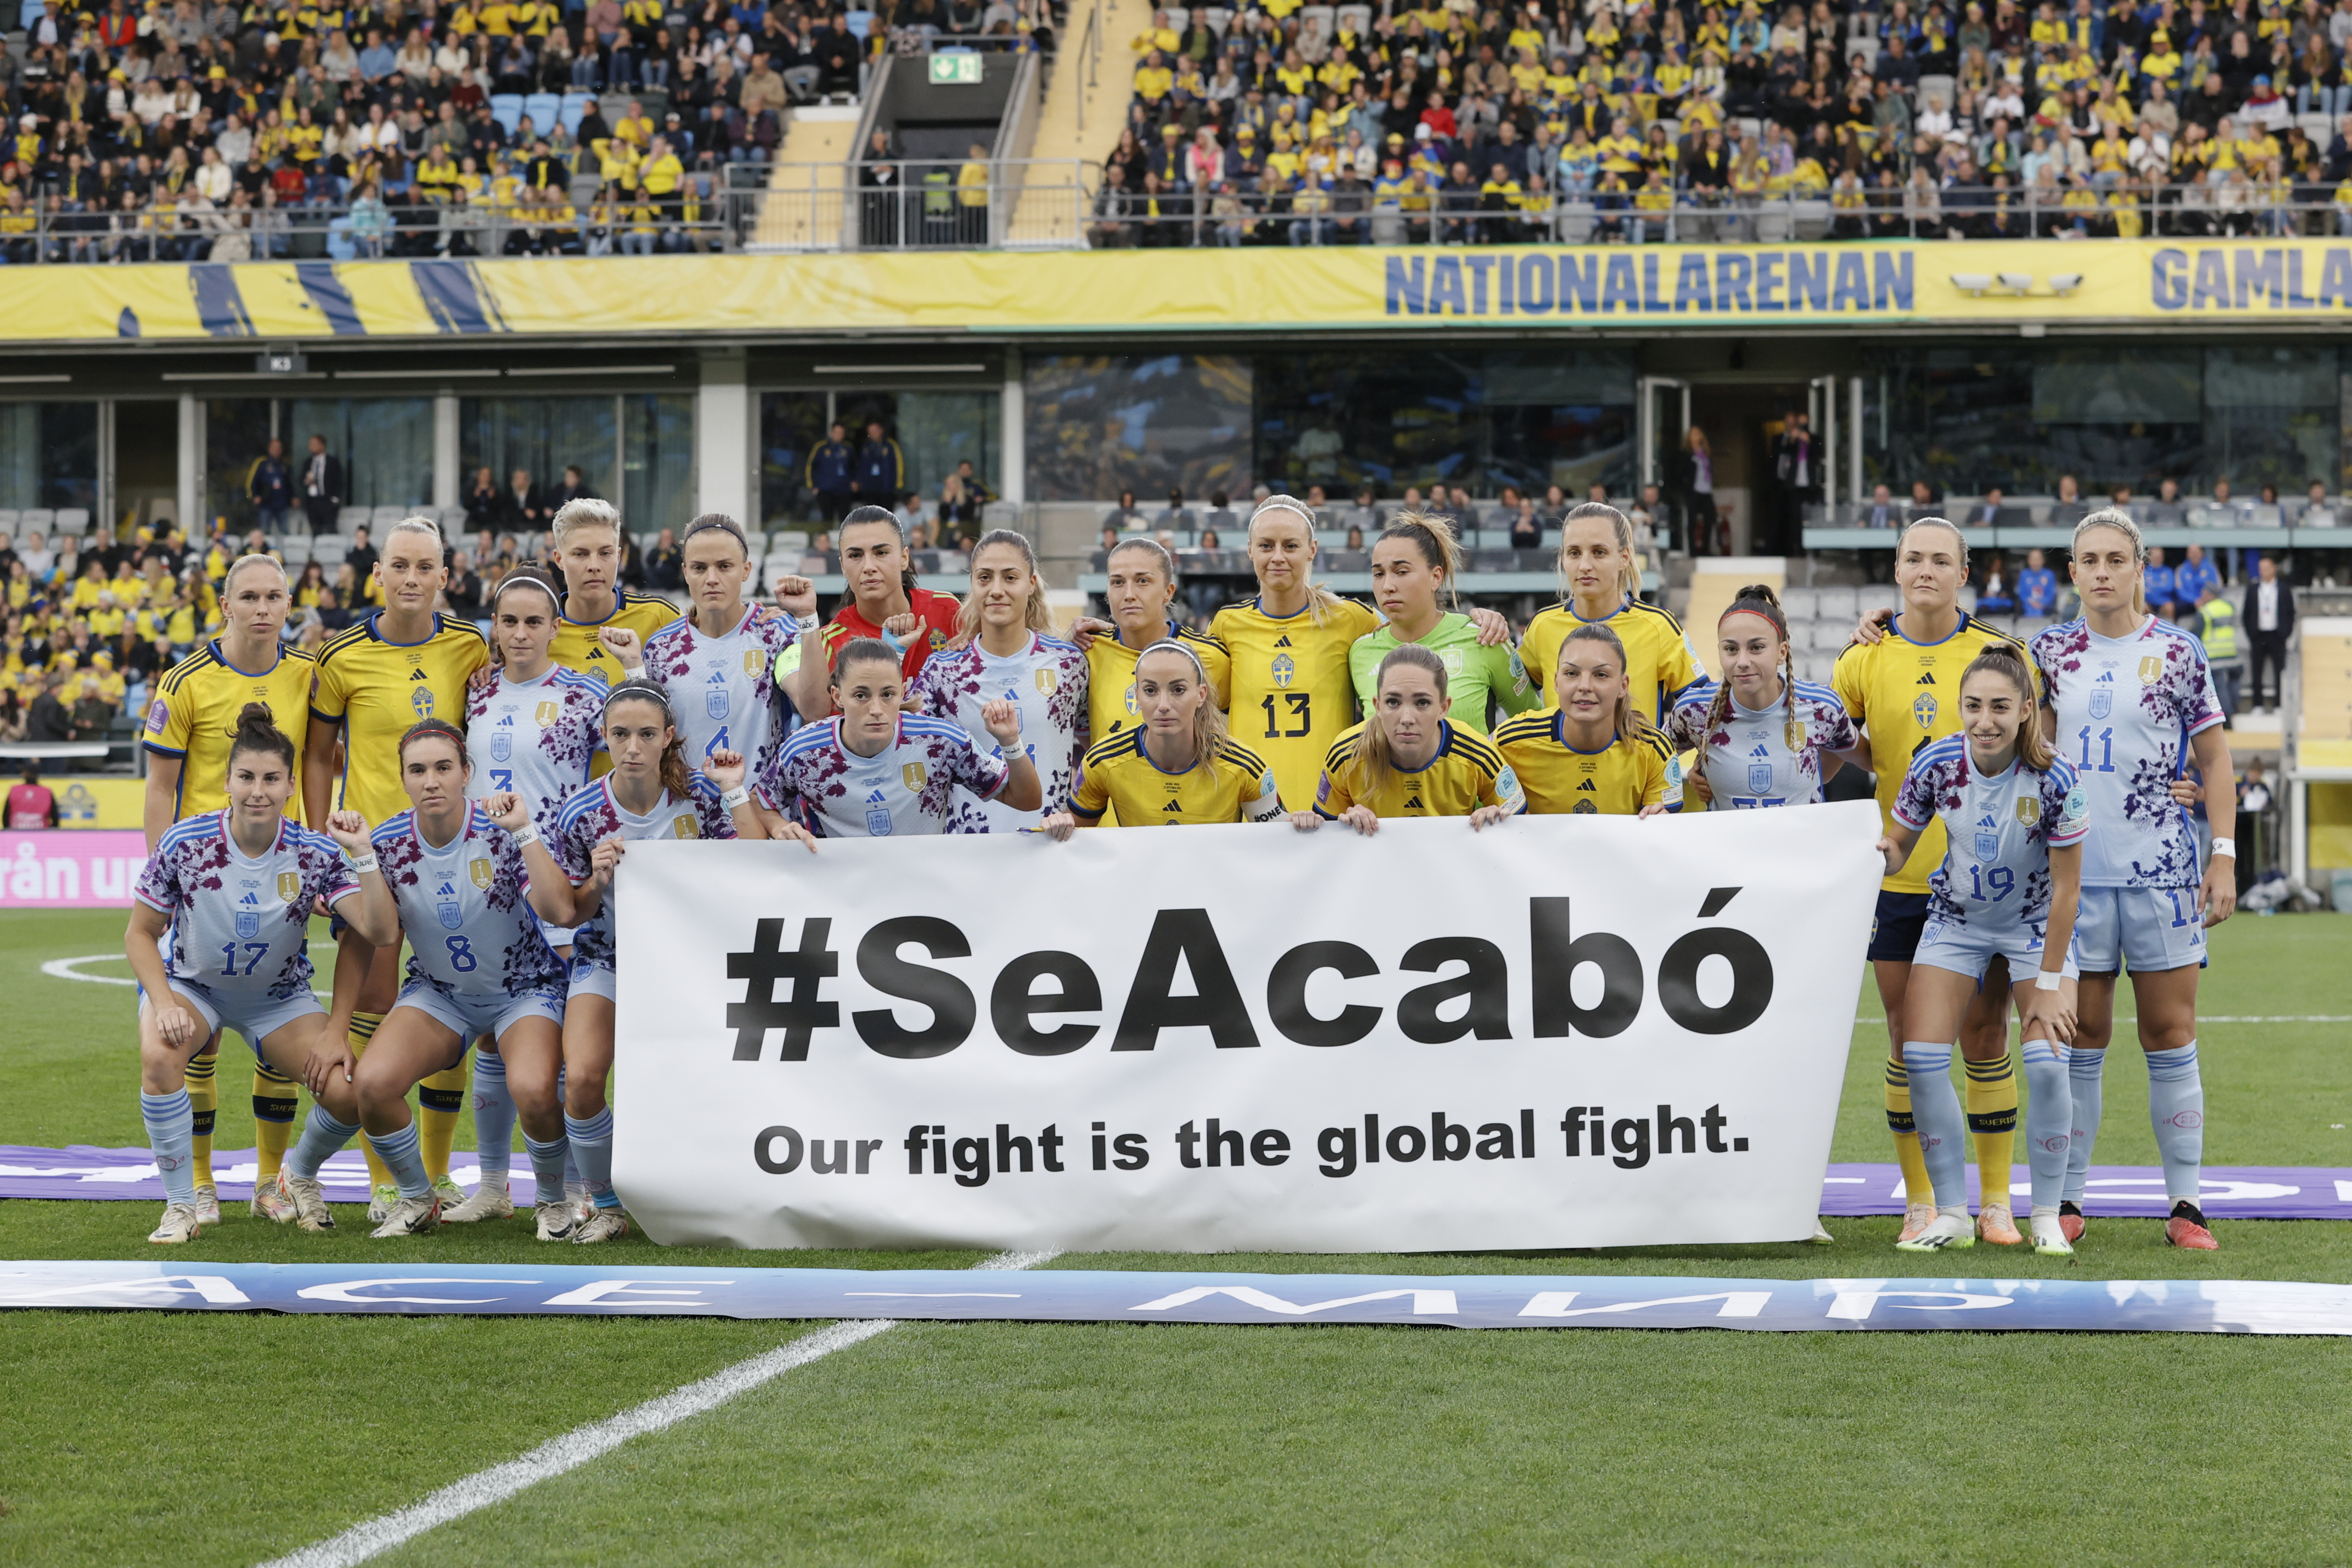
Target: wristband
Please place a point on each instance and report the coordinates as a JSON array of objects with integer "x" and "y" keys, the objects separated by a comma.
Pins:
[
  {"x": 636, "y": 674},
  {"x": 363, "y": 864},
  {"x": 525, "y": 836},
  {"x": 738, "y": 796},
  {"x": 2226, "y": 847},
  {"x": 805, "y": 624},
  {"x": 896, "y": 645},
  {"x": 2046, "y": 980}
]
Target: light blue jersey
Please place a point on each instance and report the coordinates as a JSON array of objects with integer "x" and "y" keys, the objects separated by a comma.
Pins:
[
  {"x": 240, "y": 925},
  {"x": 1996, "y": 869},
  {"x": 470, "y": 927}
]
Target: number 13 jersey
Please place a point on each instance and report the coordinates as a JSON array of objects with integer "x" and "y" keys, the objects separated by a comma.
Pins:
[{"x": 1291, "y": 695}]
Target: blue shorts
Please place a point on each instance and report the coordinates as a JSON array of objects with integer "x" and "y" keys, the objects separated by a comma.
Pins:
[
  {"x": 255, "y": 1016},
  {"x": 2144, "y": 930},
  {"x": 470, "y": 1017},
  {"x": 1971, "y": 950},
  {"x": 1894, "y": 933},
  {"x": 590, "y": 978}
]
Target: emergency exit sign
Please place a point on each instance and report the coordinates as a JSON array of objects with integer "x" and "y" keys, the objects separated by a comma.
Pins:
[{"x": 955, "y": 70}]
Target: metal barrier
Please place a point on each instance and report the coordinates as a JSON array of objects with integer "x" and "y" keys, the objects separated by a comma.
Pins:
[
  {"x": 1021, "y": 203},
  {"x": 54, "y": 236}
]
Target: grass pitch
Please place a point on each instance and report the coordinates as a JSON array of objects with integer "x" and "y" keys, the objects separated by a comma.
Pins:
[{"x": 194, "y": 1440}]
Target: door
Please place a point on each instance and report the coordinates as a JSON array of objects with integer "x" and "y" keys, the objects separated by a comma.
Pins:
[
  {"x": 1665, "y": 416},
  {"x": 1821, "y": 405}
]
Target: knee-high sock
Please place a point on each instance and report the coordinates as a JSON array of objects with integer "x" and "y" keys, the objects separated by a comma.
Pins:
[
  {"x": 276, "y": 1098},
  {"x": 592, "y": 1147},
  {"x": 321, "y": 1136},
  {"x": 203, "y": 1104},
  {"x": 171, "y": 1132},
  {"x": 2176, "y": 1109},
  {"x": 547, "y": 1165},
  {"x": 1992, "y": 1125},
  {"x": 363, "y": 1028},
  {"x": 2049, "y": 1120},
  {"x": 1899, "y": 1122},
  {"x": 440, "y": 1105},
  {"x": 494, "y": 1116},
  {"x": 1936, "y": 1104},
  {"x": 401, "y": 1154},
  {"x": 572, "y": 1177},
  {"x": 2084, "y": 1069}
]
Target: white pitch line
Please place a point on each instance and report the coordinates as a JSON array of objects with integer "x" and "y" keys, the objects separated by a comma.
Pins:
[{"x": 577, "y": 1447}]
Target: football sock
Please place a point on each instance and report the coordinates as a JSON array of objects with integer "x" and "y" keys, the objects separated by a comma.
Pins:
[
  {"x": 275, "y": 1100},
  {"x": 547, "y": 1165},
  {"x": 1907, "y": 1135},
  {"x": 171, "y": 1132},
  {"x": 204, "y": 1103},
  {"x": 572, "y": 1178},
  {"x": 494, "y": 1116},
  {"x": 321, "y": 1136},
  {"x": 1936, "y": 1105},
  {"x": 400, "y": 1154},
  {"x": 2176, "y": 1108},
  {"x": 363, "y": 1028},
  {"x": 2049, "y": 1121},
  {"x": 2083, "y": 1072},
  {"x": 440, "y": 1101},
  {"x": 592, "y": 1147},
  {"x": 1992, "y": 1125}
]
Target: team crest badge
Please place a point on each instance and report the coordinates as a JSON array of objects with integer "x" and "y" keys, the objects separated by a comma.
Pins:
[
  {"x": 481, "y": 872},
  {"x": 289, "y": 885},
  {"x": 248, "y": 924},
  {"x": 1760, "y": 779},
  {"x": 684, "y": 828},
  {"x": 421, "y": 700},
  {"x": 717, "y": 701},
  {"x": 1923, "y": 708},
  {"x": 545, "y": 715},
  {"x": 2152, "y": 670},
  {"x": 2103, "y": 701},
  {"x": 501, "y": 744},
  {"x": 1048, "y": 682},
  {"x": 1132, "y": 711},
  {"x": 1285, "y": 668},
  {"x": 1586, "y": 808},
  {"x": 916, "y": 774},
  {"x": 452, "y": 914},
  {"x": 2028, "y": 809},
  {"x": 752, "y": 659},
  {"x": 1451, "y": 659},
  {"x": 1988, "y": 846}
]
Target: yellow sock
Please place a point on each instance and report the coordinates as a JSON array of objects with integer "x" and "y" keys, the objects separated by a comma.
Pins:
[
  {"x": 275, "y": 1099},
  {"x": 204, "y": 1099},
  {"x": 1992, "y": 1125},
  {"x": 363, "y": 1028},
  {"x": 441, "y": 1101},
  {"x": 1916, "y": 1187}
]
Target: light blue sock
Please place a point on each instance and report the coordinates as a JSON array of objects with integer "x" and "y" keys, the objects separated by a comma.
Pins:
[
  {"x": 321, "y": 1136},
  {"x": 547, "y": 1163},
  {"x": 1943, "y": 1130},
  {"x": 2049, "y": 1120},
  {"x": 2083, "y": 1087},
  {"x": 591, "y": 1148},
  {"x": 494, "y": 1116},
  {"x": 172, "y": 1135},
  {"x": 2176, "y": 1108},
  {"x": 572, "y": 1177},
  {"x": 400, "y": 1154}
]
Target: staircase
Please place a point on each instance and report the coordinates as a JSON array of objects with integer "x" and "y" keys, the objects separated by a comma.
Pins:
[
  {"x": 1048, "y": 213},
  {"x": 807, "y": 188}
]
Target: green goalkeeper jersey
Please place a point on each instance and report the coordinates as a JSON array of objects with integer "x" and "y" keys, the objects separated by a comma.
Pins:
[{"x": 1474, "y": 675}]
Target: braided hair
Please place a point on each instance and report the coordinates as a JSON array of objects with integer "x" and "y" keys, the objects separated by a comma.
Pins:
[{"x": 1757, "y": 599}]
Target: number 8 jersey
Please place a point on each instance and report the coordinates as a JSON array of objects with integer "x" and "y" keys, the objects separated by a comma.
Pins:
[
  {"x": 1999, "y": 832},
  {"x": 470, "y": 929}
]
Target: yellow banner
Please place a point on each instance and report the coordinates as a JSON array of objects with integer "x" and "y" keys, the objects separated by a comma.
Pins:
[
  {"x": 1663, "y": 286},
  {"x": 92, "y": 803}
]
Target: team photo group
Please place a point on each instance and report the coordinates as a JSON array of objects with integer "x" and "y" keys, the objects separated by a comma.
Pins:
[{"x": 467, "y": 791}]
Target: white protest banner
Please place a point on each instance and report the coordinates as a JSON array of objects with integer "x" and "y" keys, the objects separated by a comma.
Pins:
[{"x": 1565, "y": 1032}]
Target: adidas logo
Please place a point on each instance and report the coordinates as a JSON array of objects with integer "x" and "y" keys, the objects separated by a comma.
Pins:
[
  {"x": 2106, "y": 680},
  {"x": 417, "y": 676},
  {"x": 1987, "y": 822},
  {"x": 446, "y": 892},
  {"x": 1173, "y": 806},
  {"x": 1926, "y": 680},
  {"x": 718, "y": 678},
  {"x": 1412, "y": 803},
  {"x": 506, "y": 723},
  {"x": 1282, "y": 640},
  {"x": 1588, "y": 784},
  {"x": 1761, "y": 750},
  {"x": 876, "y": 799},
  {"x": 250, "y": 900}
]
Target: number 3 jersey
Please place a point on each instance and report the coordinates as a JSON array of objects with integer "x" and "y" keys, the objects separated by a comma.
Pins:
[
  {"x": 593, "y": 814},
  {"x": 239, "y": 926},
  {"x": 470, "y": 929},
  {"x": 907, "y": 787},
  {"x": 536, "y": 738},
  {"x": 723, "y": 689},
  {"x": 2127, "y": 707},
  {"x": 1048, "y": 682},
  {"x": 2000, "y": 830},
  {"x": 1747, "y": 757}
]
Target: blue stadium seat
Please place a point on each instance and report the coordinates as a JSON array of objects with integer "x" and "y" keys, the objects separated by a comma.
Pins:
[
  {"x": 575, "y": 110},
  {"x": 861, "y": 22},
  {"x": 506, "y": 108},
  {"x": 544, "y": 109},
  {"x": 339, "y": 241}
]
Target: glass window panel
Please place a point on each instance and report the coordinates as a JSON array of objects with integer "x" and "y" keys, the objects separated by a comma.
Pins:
[
  {"x": 1099, "y": 424},
  {"x": 237, "y": 437},
  {"x": 541, "y": 435},
  {"x": 939, "y": 430},
  {"x": 658, "y": 488},
  {"x": 2112, "y": 385},
  {"x": 792, "y": 426},
  {"x": 1344, "y": 419},
  {"x": 385, "y": 445},
  {"x": 48, "y": 455},
  {"x": 2269, "y": 378}
]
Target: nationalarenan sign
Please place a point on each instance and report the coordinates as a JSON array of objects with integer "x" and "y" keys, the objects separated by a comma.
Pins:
[{"x": 1566, "y": 1031}]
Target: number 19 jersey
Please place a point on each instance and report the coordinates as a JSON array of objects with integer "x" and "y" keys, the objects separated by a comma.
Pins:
[{"x": 1999, "y": 831}]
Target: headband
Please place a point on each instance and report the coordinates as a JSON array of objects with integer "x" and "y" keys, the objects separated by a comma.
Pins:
[{"x": 1170, "y": 645}]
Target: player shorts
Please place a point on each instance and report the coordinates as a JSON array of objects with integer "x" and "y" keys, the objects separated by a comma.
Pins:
[
  {"x": 557, "y": 936},
  {"x": 2143, "y": 929},
  {"x": 590, "y": 978},
  {"x": 255, "y": 1016},
  {"x": 1894, "y": 933},
  {"x": 1971, "y": 950},
  {"x": 471, "y": 1015}
]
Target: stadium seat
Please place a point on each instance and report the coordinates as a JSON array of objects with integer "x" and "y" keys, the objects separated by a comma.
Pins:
[
  {"x": 1829, "y": 636},
  {"x": 453, "y": 520},
  {"x": 1219, "y": 18},
  {"x": 544, "y": 109},
  {"x": 327, "y": 549},
  {"x": 506, "y": 108},
  {"x": 2318, "y": 127},
  {"x": 382, "y": 518},
  {"x": 1939, "y": 88},
  {"x": 1799, "y": 603},
  {"x": 294, "y": 549},
  {"x": 1809, "y": 220},
  {"x": 574, "y": 109},
  {"x": 1327, "y": 15},
  {"x": 1877, "y": 596},
  {"x": 792, "y": 539},
  {"x": 1968, "y": 599},
  {"x": 8, "y": 516},
  {"x": 352, "y": 519},
  {"x": 339, "y": 245},
  {"x": 39, "y": 517},
  {"x": 73, "y": 520},
  {"x": 861, "y": 23},
  {"x": 1358, "y": 18}
]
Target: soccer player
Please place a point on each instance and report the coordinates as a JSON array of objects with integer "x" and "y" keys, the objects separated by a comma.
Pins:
[
  {"x": 539, "y": 728},
  {"x": 1012, "y": 655},
  {"x": 1139, "y": 586},
  {"x": 2014, "y": 819},
  {"x": 1409, "y": 759},
  {"x": 233, "y": 891},
  {"x": 1177, "y": 766},
  {"x": 650, "y": 793},
  {"x": 717, "y": 661},
  {"x": 1603, "y": 588},
  {"x": 1764, "y": 737},
  {"x": 1415, "y": 563},
  {"x": 874, "y": 771},
  {"x": 1900, "y": 683},
  {"x": 605, "y": 625},
  {"x": 884, "y": 604},
  {"x": 2131, "y": 695},
  {"x": 404, "y": 663},
  {"x": 1596, "y": 752},
  {"x": 477, "y": 965},
  {"x": 189, "y": 728}
]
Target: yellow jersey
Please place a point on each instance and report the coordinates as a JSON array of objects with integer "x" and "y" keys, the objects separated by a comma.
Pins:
[
  {"x": 1904, "y": 695},
  {"x": 1235, "y": 788},
  {"x": 194, "y": 718},
  {"x": 376, "y": 689},
  {"x": 576, "y": 647},
  {"x": 1629, "y": 773},
  {"x": 1466, "y": 773},
  {"x": 1111, "y": 676},
  {"x": 1290, "y": 694},
  {"x": 1658, "y": 654}
]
